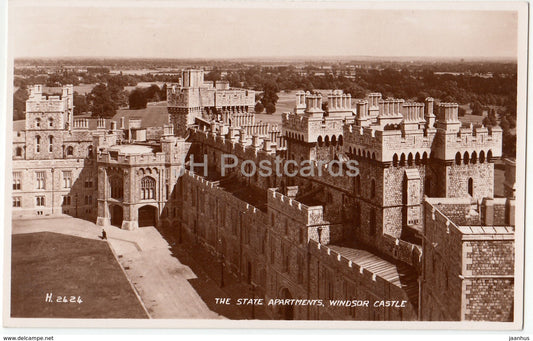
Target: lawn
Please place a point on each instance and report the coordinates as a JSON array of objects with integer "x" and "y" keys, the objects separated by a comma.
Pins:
[{"x": 46, "y": 262}]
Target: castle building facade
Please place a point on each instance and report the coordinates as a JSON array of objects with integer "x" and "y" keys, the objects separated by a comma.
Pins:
[{"x": 414, "y": 227}]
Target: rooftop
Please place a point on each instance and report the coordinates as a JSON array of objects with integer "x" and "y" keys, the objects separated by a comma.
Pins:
[{"x": 132, "y": 149}]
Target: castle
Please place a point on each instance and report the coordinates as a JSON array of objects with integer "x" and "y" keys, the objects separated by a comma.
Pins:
[{"x": 416, "y": 226}]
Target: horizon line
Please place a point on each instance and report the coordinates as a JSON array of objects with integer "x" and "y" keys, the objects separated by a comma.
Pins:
[{"x": 470, "y": 58}]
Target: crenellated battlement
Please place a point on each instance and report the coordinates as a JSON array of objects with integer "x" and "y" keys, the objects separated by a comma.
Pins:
[
  {"x": 382, "y": 145},
  {"x": 307, "y": 215},
  {"x": 126, "y": 155},
  {"x": 215, "y": 189},
  {"x": 313, "y": 129}
]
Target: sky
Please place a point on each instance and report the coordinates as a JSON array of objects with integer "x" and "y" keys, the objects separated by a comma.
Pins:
[{"x": 289, "y": 29}]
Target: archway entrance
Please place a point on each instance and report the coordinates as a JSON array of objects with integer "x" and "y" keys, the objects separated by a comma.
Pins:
[
  {"x": 286, "y": 311},
  {"x": 116, "y": 215},
  {"x": 147, "y": 216}
]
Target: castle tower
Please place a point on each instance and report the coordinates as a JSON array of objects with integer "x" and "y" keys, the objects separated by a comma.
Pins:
[
  {"x": 300, "y": 103},
  {"x": 465, "y": 156},
  {"x": 185, "y": 102},
  {"x": 428, "y": 113}
]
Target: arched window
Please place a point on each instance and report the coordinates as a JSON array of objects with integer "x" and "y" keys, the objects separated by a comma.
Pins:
[
  {"x": 37, "y": 123},
  {"x": 117, "y": 189},
  {"x": 417, "y": 158},
  {"x": 334, "y": 140},
  {"x": 70, "y": 150},
  {"x": 395, "y": 160},
  {"x": 50, "y": 122},
  {"x": 320, "y": 141},
  {"x": 326, "y": 140},
  {"x": 410, "y": 159},
  {"x": 341, "y": 142},
  {"x": 466, "y": 158},
  {"x": 372, "y": 188},
  {"x": 50, "y": 143},
  {"x": 473, "y": 159},
  {"x": 37, "y": 144},
  {"x": 458, "y": 158},
  {"x": 147, "y": 188},
  {"x": 489, "y": 156},
  {"x": 471, "y": 187},
  {"x": 18, "y": 151},
  {"x": 402, "y": 160},
  {"x": 481, "y": 156}
]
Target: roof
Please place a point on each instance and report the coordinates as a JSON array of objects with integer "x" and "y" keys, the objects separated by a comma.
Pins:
[
  {"x": 399, "y": 275},
  {"x": 132, "y": 149}
]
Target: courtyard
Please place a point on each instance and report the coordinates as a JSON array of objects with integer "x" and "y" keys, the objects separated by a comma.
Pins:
[{"x": 131, "y": 275}]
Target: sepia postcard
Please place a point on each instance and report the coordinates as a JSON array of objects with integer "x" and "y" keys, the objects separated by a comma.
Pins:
[{"x": 345, "y": 165}]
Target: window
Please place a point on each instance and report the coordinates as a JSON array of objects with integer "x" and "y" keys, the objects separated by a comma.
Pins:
[
  {"x": 88, "y": 200},
  {"x": 66, "y": 200},
  {"x": 50, "y": 122},
  {"x": 50, "y": 143},
  {"x": 39, "y": 201},
  {"x": 147, "y": 188},
  {"x": 37, "y": 144},
  {"x": 116, "y": 187},
  {"x": 471, "y": 187},
  {"x": 16, "y": 180},
  {"x": 37, "y": 123},
  {"x": 41, "y": 180},
  {"x": 18, "y": 151},
  {"x": 88, "y": 183},
  {"x": 16, "y": 201},
  {"x": 67, "y": 179},
  {"x": 70, "y": 150}
]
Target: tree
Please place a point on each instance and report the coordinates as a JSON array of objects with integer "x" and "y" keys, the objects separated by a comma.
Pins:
[
  {"x": 163, "y": 92},
  {"x": 270, "y": 96},
  {"x": 101, "y": 101},
  {"x": 138, "y": 99},
  {"x": 270, "y": 108},
  {"x": 152, "y": 93},
  {"x": 491, "y": 119},
  {"x": 213, "y": 75},
  {"x": 19, "y": 103},
  {"x": 477, "y": 108},
  {"x": 462, "y": 111},
  {"x": 80, "y": 104},
  {"x": 259, "y": 107}
]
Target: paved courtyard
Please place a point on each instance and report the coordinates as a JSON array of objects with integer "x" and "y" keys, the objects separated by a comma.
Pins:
[{"x": 160, "y": 279}]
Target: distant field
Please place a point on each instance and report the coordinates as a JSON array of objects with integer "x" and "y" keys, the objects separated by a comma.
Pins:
[
  {"x": 155, "y": 114},
  {"x": 474, "y": 119},
  {"x": 84, "y": 89},
  {"x": 46, "y": 262}
]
